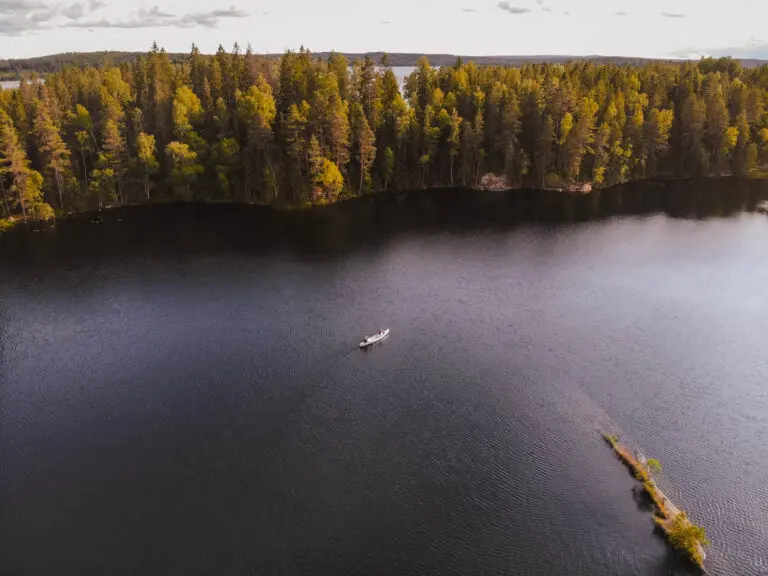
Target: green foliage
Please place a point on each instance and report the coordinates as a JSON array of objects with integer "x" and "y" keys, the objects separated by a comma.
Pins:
[
  {"x": 330, "y": 180},
  {"x": 184, "y": 168},
  {"x": 612, "y": 439},
  {"x": 186, "y": 111},
  {"x": 388, "y": 166},
  {"x": 21, "y": 185},
  {"x": 145, "y": 154},
  {"x": 654, "y": 465},
  {"x": 687, "y": 536},
  {"x": 303, "y": 129}
]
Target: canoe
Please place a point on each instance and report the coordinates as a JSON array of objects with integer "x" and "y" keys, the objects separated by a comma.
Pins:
[{"x": 371, "y": 340}]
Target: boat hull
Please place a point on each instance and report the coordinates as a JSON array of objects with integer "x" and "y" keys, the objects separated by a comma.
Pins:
[{"x": 374, "y": 340}]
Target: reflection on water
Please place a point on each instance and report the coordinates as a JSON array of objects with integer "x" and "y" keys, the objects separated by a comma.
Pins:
[
  {"x": 181, "y": 393},
  {"x": 348, "y": 226}
]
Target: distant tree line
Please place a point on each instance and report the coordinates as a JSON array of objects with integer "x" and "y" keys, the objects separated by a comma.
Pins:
[
  {"x": 14, "y": 69},
  {"x": 302, "y": 130}
]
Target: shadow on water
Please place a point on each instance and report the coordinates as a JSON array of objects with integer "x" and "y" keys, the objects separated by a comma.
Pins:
[
  {"x": 641, "y": 498},
  {"x": 364, "y": 224}
]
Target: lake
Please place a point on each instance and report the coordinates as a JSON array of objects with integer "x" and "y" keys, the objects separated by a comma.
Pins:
[
  {"x": 13, "y": 84},
  {"x": 181, "y": 391},
  {"x": 401, "y": 73}
]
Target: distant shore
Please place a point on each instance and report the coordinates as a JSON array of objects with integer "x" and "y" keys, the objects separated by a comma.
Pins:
[{"x": 15, "y": 68}]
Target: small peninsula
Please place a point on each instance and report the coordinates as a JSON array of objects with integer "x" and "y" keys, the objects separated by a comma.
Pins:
[{"x": 680, "y": 532}]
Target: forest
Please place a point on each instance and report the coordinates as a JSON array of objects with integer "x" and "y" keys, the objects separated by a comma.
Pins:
[{"x": 303, "y": 130}]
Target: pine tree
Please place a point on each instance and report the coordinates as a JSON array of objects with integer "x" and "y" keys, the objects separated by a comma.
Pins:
[
  {"x": 56, "y": 155},
  {"x": 338, "y": 133},
  {"x": 113, "y": 159},
  {"x": 23, "y": 183},
  {"x": 294, "y": 135},
  {"x": 454, "y": 139},
  {"x": 256, "y": 110},
  {"x": 365, "y": 141}
]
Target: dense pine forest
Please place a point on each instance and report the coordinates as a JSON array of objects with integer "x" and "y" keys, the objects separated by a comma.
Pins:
[{"x": 304, "y": 130}]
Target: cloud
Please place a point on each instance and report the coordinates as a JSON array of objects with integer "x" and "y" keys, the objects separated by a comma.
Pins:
[
  {"x": 507, "y": 7},
  {"x": 155, "y": 18},
  {"x": 73, "y": 11},
  {"x": 154, "y": 12},
  {"x": 468, "y": 10},
  {"x": 42, "y": 15},
  {"x": 672, "y": 15},
  {"x": 20, "y": 16},
  {"x": 94, "y": 5},
  {"x": 7, "y": 6}
]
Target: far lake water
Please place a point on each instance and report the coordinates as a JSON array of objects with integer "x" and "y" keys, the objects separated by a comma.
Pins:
[
  {"x": 181, "y": 391},
  {"x": 401, "y": 73}
]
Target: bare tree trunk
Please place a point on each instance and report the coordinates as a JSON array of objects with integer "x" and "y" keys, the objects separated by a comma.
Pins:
[
  {"x": 57, "y": 175},
  {"x": 146, "y": 185},
  {"x": 85, "y": 169},
  {"x": 119, "y": 190},
  {"x": 5, "y": 199},
  {"x": 362, "y": 175},
  {"x": 272, "y": 180},
  {"x": 22, "y": 201}
]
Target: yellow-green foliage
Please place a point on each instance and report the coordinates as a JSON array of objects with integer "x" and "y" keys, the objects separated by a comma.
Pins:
[
  {"x": 687, "y": 536},
  {"x": 682, "y": 534},
  {"x": 612, "y": 439}
]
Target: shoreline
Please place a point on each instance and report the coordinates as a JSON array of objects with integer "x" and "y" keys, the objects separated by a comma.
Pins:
[
  {"x": 15, "y": 222},
  {"x": 668, "y": 518}
]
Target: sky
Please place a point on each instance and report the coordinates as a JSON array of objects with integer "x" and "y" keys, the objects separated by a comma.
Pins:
[{"x": 651, "y": 28}]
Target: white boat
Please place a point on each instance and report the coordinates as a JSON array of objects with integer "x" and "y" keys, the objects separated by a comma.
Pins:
[{"x": 371, "y": 340}]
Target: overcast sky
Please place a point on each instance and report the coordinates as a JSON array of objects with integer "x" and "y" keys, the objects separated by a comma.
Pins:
[{"x": 651, "y": 28}]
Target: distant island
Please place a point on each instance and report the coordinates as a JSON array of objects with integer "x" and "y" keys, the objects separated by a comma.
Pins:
[{"x": 304, "y": 129}]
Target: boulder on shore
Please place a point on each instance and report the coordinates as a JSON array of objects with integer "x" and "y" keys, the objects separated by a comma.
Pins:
[
  {"x": 494, "y": 183},
  {"x": 499, "y": 183},
  {"x": 580, "y": 188}
]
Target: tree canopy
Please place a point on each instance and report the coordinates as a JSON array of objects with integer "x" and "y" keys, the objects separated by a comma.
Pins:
[{"x": 301, "y": 130}]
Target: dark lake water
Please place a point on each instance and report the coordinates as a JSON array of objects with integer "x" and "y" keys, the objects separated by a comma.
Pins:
[{"x": 181, "y": 391}]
